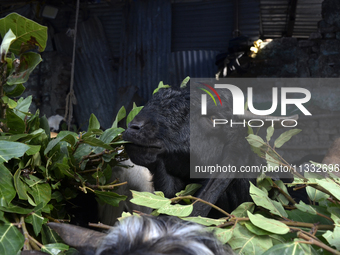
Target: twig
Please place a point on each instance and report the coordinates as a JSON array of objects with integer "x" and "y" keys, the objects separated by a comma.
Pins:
[
  {"x": 106, "y": 186},
  {"x": 202, "y": 201},
  {"x": 316, "y": 242},
  {"x": 25, "y": 233},
  {"x": 284, "y": 193},
  {"x": 307, "y": 225}
]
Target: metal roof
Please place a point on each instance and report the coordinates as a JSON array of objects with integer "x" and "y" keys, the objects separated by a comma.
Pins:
[{"x": 275, "y": 16}]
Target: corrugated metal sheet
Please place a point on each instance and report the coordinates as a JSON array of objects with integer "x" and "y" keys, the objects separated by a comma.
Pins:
[
  {"x": 308, "y": 14},
  {"x": 274, "y": 17},
  {"x": 209, "y": 25},
  {"x": 191, "y": 63},
  {"x": 110, "y": 16},
  {"x": 94, "y": 77},
  {"x": 145, "y": 48},
  {"x": 249, "y": 18},
  {"x": 201, "y": 25}
]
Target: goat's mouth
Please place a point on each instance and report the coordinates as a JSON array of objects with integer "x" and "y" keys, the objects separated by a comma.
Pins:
[{"x": 144, "y": 146}]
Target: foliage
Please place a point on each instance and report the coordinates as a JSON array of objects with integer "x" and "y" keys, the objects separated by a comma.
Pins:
[
  {"x": 273, "y": 223},
  {"x": 40, "y": 175}
]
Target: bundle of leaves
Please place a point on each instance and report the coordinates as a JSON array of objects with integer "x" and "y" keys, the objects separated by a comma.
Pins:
[
  {"x": 40, "y": 175},
  {"x": 274, "y": 223}
]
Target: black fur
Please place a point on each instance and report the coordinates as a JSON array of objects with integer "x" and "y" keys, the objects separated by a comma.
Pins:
[{"x": 160, "y": 136}]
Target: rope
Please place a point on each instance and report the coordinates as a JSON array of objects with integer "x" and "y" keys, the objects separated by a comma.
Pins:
[{"x": 71, "y": 98}]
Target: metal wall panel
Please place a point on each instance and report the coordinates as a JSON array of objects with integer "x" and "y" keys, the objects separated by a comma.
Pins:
[
  {"x": 308, "y": 14},
  {"x": 94, "y": 79},
  {"x": 195, "y": 64},
  {"x": 202, "y": 25},
  {"x": 274, "y": 17},
  {"x": 111, "y": 16},
  {"x": 249, "y": 18},
  {"x": 145, "y": 45},
  {"x": 209, "y": 25}
]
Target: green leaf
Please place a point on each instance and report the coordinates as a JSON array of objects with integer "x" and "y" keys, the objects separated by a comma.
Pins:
[
  {"x": 33, "y": 149},
  {"x": 44, "y": 125},
  {"x": 110, "y": 134},
  {"x": 56, "y": 141},
  {"x": 28, "y": 62},
  {"x": 6, "y": 43},
  {"x": 29, "y": 33},
  {"x": 19, "y": 186},
  {"x": 261, "y": 198},
  {"x": 270, "y": 132},
  {"x": 292, "y": 248},
  {"x": 333, "y": 237},
  {"x": 269, "y": 225},
  {"x": 132, "y": 114},
  {"x": 109, "y": 197},
  {"x": 256, "y": 230},
  {"x": 316, "y": 195},
  {"x": 120, "y": 115},
  {"x": 272, "y": 163},
  {"x": 96, "y": 142},
  {"x": 279, "y": 196},
  {"x": 15, "y": 124},
  {"x": 49, "y": 236},
  {"x": 10, "y": 102},
  {"x": 305, "y": 208},
  {"x": 93, "y": 123},
  {"x": 255, "y": 140},
  {"x": 11, "y": 239},
  {"x": 23, "y": 106},
  {"x": 176, "y": 210},
  {"x": 9, "y": 150},
  {"x": 14, "y": 90},
  {"x": 285, "y": 137},
  {"x": 241, "y": 210},
  {"x": 70, "y": 138},
  {"x": 35, "y": 219},
  {"x": 245, "y": 242},
  {"x": 54, "y": 248},
  {"x": 7, "y": 190},
  {"x": 149, "y": 200},
  {"x": 15, "y": 209},
  {"x": 222, "y": 234},
  {"x": 40, "y": 191},
  {"x": 331, "y": 186},
  {"x": 205, "y": 221},
  {"x": 185, "y": 81},
  {"x": 299, "y": 216},
  {"x": 160, "y": 86},
  {"x": 190, "y": 189}
]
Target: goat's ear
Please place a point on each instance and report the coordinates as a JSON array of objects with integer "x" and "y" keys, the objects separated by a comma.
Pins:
[{"x": 86, "y": 241}]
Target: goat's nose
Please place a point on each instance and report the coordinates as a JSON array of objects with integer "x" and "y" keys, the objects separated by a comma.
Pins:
[{"x": 136, "y": 124}]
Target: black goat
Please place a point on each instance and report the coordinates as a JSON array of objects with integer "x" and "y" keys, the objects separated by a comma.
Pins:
[
  {"x": 160, "y": 141},
  {"x": 144, "y": 235}
]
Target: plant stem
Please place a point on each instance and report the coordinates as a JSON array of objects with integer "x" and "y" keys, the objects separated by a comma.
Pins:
[
  {"x": 307, "y": 225},
  {"x": 25, "y": 233},
  {"x": 105, "y": 186},
  {"x": 313, "y": 241},
  {"x": 284, "y": 193},
  {"x": 202, "y": 201}
]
